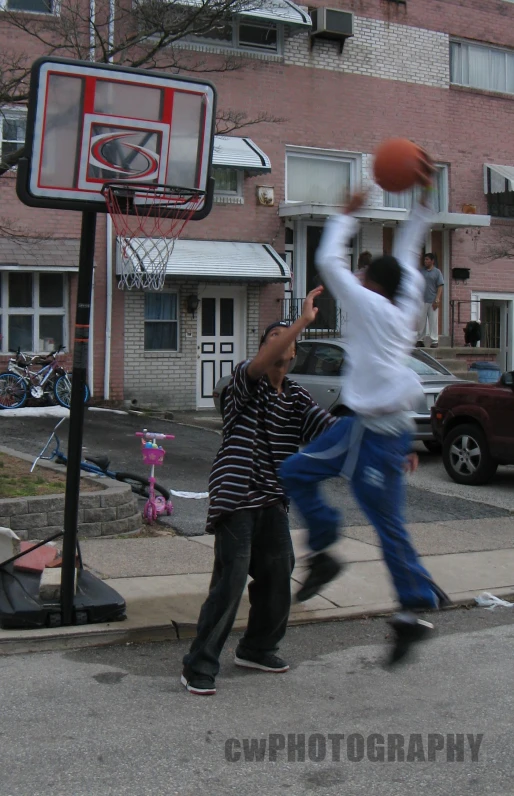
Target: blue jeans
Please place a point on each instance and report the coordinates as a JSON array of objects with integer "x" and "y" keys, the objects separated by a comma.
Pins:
[
  {"x": 255, "y": 542},
  {"x": 378, "y": 483}
]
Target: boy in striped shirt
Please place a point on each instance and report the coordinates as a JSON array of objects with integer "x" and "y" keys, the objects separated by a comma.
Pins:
[{"x": 266, "y": 417}]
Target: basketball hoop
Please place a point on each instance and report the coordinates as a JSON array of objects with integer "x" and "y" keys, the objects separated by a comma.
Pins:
[{"x": 148, "y": 219}]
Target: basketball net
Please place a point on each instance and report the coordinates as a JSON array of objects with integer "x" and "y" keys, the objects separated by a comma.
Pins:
[{"x": 148, "y": 219}]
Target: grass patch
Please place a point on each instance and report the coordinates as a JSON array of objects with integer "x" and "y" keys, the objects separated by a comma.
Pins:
[{"x": 16, "y": 480}]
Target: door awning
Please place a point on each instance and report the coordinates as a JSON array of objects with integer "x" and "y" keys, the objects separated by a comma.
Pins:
[
  {"x": 498, "y": 179},
  {"x": 240, "y": 153},
  {"x": 227, "y": 260},
  {"x": 39, "y": 254}
]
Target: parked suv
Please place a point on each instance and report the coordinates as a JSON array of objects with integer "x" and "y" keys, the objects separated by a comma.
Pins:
[{"x": 475, "y": 424}]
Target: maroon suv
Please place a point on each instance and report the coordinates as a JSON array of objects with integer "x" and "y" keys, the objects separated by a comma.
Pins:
[{"x": 475, "y": 424}]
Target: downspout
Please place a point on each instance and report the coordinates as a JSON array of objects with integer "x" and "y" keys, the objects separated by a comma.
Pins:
[
  {"x": 108, "y": 310},
  {"x": 91, "y": 346},
  {"x": 109, "y": 242}
]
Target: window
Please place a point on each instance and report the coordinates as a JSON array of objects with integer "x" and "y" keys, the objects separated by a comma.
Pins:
[
  {"x": 477, "y": 66},
  {"x": 37, "y": 6},
  {"x": 319, "y": 176},
  {"x": 228, "y": 181},
  {"x": 12, "y": 131},
  {"x": 32, "y": 311},
  {"x": 501, "y": 205},
  {"x": 245, "y": 34},
  {"x": 161, "y": 322},
  {"x": 439, "y": 196}
]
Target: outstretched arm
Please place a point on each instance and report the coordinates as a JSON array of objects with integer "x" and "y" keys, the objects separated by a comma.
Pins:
[
  {"x": 268, "y": 354},
  {"x": 331, "y": 257},
  {"x": 407, "y": 250}
]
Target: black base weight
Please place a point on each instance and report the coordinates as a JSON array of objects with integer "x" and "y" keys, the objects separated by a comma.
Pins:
[{"x": 21, "y": 607}]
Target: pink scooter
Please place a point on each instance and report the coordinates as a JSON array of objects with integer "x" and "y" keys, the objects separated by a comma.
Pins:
[{"x": 153, "y": 454}]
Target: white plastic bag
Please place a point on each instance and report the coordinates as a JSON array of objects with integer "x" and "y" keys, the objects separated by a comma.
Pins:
[
  {"x": 190, "y": 495},
  {"x": 489, "y": 601}
]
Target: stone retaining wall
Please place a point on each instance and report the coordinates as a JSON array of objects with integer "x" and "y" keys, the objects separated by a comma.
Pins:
[{"x": 109, "y": 510}]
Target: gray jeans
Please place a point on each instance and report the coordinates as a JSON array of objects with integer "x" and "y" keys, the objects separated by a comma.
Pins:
[{"x": 255, "y": 542}]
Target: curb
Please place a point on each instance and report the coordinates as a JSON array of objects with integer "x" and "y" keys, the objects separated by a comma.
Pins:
[{"x": 18, "y": 642}]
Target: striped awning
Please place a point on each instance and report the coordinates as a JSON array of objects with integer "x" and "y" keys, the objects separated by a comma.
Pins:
[
  {"x": 498, "y": 179},
  {"x": 227, "y": 260},
  {"x": 240, "y": 153},
  {"x": 278, "y": 11},
  {"x": 272, "y": 10}
]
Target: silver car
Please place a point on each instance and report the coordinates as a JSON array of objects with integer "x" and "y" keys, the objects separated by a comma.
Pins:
[{"x": 319, "y": 368}]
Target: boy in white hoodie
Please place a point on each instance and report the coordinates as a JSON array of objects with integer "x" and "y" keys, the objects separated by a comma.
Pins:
[{"x": 373, "y": 446}]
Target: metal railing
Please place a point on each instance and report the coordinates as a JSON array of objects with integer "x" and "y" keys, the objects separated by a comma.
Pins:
[
  {"x": 330, "y": 320},
  {"x": 490, "y": 320}
]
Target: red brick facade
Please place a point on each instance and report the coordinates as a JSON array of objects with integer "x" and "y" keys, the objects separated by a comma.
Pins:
[{"x": 337, "y": 108}]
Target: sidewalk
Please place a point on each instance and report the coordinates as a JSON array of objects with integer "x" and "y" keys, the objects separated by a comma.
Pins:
[{"x": 165, "y": 579}]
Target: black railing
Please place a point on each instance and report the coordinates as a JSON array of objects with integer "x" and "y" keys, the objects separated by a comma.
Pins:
[
  {"x": 330, "y": 320},
  {"x": 490, "y": 323}
]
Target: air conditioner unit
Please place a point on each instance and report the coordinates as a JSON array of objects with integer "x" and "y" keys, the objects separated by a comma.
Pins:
[{"x": 331, "y": 23}]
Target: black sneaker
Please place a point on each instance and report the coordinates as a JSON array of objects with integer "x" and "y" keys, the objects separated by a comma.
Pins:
[
  {"x": 409, "y": 630},
  {"x": 200, "y": 684},
  {"x": 420, "y": 344},
  {"x": 265, "y": 661},
  {"x": 322, "y": 569}
]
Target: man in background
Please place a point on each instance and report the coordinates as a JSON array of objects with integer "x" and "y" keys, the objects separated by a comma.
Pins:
[{"x": 432, "y": 301}]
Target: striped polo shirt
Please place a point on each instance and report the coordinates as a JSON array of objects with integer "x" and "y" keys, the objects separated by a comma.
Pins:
[{"x": 261, "y": 428}]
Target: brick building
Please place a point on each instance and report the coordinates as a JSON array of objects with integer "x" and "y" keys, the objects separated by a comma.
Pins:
[{"x": 440, "y": 73}]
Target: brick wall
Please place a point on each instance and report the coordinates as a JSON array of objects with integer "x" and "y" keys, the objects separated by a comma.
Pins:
[{"x": 380, "y": 49}]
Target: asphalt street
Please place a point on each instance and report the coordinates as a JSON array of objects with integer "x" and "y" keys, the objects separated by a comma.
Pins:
[
  {"x": 190, "y": 455},
  {"x": 116, "y": 720}
]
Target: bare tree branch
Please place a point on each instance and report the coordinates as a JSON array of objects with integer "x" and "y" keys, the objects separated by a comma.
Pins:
[
  {"x": 501, "y": 248},
  {"x": 228, "y": 121}
]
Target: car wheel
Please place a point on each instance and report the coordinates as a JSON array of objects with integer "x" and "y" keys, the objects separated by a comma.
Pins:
[
  {"x": 466, "y": 455},
  {"x": 432, "y": 446}
]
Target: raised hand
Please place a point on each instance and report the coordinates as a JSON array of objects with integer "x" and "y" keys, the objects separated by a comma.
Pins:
[
  {"x": 426, "y": 169},
  {"x": 309, "y": 311},
  {"x": 355, "y": 202}
]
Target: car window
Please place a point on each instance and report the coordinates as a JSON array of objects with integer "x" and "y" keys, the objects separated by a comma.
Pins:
[
  {"x": 423, "y": 368},
  {"x": 325, "y": 360},
  {"x": 302, "y": 354},
  {"x": 430, "y": 362}
]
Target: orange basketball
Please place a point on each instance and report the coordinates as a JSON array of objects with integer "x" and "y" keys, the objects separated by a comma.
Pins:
[{"x": 396, "y": 164}]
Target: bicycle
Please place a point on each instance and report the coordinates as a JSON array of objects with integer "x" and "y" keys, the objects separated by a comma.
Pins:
[
  {"x": 99, "y": 465},
  {"x": 20, "y": 381},
  {"x": 153, "y": 455}
]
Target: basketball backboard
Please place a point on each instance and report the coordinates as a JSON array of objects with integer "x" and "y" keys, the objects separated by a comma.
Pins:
[{"x": 89, "y": 124}]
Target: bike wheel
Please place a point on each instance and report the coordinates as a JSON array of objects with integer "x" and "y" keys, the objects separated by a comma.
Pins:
[
  {"x": 62, "y": 391},
  {"x": 141, "y": 485},
  {"x": 13, "y": 391}
]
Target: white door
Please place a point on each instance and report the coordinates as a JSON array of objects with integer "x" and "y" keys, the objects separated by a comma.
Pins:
[{"x": 221, "y": 337}]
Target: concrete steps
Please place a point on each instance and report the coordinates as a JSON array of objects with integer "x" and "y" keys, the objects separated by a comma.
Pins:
[{"x": 457, "y": 359}]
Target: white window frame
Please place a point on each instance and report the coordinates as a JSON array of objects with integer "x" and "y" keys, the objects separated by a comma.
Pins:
[
  {"x": 10, "y": 114},
  {"x": 467, "y": 45},
  {"x": 443, "y": 194},
  {"x": 55, "y": 10},
  {"x": 353, "y": 158},
  {"x": 150, "y": 320},
  {"x": 35, "y": 310},
  {"x": 234, "y": 44}
]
